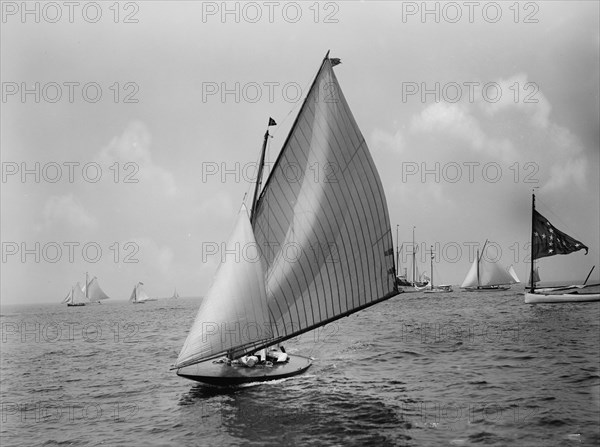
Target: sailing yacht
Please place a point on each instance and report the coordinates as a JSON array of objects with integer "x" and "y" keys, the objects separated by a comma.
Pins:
[
  {"x": 488, "y": 276},
  {"x": 430, "y": 288},
  {"x": 139, "y": 295},
  {"x": 253, "y": 306},
  {"x": 90, "y": 293},
  {"x": 175, "y": 294},
  {"x": 547, "y": 240}
]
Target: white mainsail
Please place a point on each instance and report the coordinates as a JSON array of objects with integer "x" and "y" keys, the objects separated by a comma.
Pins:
[
  {"x": 322, "y": 230},
  {"x": 484, "y": 273},
  {"x": 511, "y": 272},
  {"x": 95, "y": 292},
  {"x": 76, "y": 296},
  {"x": 138, "y": 295},
  {"x": 335, "y": 225}
]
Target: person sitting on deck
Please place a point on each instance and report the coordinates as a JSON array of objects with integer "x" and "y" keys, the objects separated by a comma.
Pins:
[{"x": 278, "y": 355}]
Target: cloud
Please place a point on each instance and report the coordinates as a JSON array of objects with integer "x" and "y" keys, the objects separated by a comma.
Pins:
[
  {"x": 133, "y": 146},
  {"x": 382, "y": 140},
  {"x": 66, "y": 211},
  {"x": 457, "y": 120},
  {"x": 516, "y": 93},
  {"x": 509, "y": 121}
]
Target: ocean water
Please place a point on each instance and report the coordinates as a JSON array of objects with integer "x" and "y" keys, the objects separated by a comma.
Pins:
[{"x": 456, "y": 369}]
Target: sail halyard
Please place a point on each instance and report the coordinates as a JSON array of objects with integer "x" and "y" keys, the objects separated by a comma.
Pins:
[{"x": 344, "y": 211}]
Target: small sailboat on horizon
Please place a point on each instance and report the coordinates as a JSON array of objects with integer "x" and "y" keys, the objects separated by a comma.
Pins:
[
  {"x": 431, "y": 288},
  {"x": 488, "y": 276},
  {"x": 547, "y": 240},
  {"x": 252, "y": 307},
  {"x": 175, "y": 294},
  {"x": 90, "y": 293},
  {"x": 139, "y": 295}
]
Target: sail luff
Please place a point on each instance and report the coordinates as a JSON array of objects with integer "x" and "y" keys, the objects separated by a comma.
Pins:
[{"x": 291, "y": 129}]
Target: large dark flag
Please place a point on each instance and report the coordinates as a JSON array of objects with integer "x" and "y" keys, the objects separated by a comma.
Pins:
[{"x": 548, "y": 241}]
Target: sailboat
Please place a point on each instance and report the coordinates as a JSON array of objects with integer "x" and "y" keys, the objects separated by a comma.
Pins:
[
  {"x": 175, "y": 294},
  {"x": 547, "y": 240},
  {"x": 76, "y": 297},
  {"x": 430, "y": 288},
  {"x": 255, "y": 306},
  {"x": 487, "y": 276},
  {"x": 139, "y": 295},
  {"x": 90, "y": 293},
  {"x": 419, "y": 281}
]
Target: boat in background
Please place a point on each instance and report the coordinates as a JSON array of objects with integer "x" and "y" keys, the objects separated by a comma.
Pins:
[
  {"x": 430, "y": 288},
  {"x": 139, "y": 295},
  {"x": 175, "y": 294},
  {"x": 547, "y": 240},
  {"x": 488, "y": 276},
  {"x": 252, "y": 306},
  {"x": 76, "y": 297},
  {"x": 90, "y": 293}
]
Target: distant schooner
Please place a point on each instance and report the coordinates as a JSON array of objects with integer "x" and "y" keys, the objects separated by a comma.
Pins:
[{"x": 88, "y": 294}]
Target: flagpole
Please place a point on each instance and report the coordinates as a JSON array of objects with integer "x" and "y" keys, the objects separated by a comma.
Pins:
[{"x": 532, "y": 286}]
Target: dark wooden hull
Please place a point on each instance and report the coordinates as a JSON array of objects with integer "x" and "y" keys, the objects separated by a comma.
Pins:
[{"x": 215, "y": 373}]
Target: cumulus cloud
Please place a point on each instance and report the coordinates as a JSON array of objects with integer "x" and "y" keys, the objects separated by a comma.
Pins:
[
  {"x": 133, "y": 146},
  {"x": 458, "y": 121},
  {"x": 510, "y": 123}
]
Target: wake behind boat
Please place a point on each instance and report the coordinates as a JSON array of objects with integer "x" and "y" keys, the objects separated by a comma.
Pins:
[
  {"x": 252, "y": 306},
  {"x": 546, "y": 240}
]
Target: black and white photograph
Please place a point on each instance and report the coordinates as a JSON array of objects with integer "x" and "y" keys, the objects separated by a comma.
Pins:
[{"x": 300, "y": 223}]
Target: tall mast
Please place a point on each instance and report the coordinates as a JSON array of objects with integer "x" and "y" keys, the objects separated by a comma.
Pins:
[
  {"x": 397, "y": 252},
  {"x": 413, "y": 256},
  {"x": 478, "y": 283},
  {"x": 259, "y": 174},
  {"x": 532, "y": 286},
  {"x": 431, "y": 254},
  {"x": 86, "y": 285}
]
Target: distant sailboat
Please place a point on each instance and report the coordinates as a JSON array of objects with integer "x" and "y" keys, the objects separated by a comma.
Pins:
[
  {"x": 547, "y": 240},
  {"x": 511, "y": 272},
  {"x": 76, "y": 297},
  {"x": 139, "y": 295},
  {"x": 430, "y": 288},
  {"x": 90, "y": 293},
  {"x": 251, "y": 305},
  {"x": 487, "y": 276},
  {"x": 175, "y": 294}
]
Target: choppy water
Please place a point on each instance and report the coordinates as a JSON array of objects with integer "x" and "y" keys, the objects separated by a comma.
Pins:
[{"x": 417, "y": 370}]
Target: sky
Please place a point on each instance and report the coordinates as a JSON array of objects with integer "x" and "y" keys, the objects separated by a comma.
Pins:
[{"x": 130, "y": 131}]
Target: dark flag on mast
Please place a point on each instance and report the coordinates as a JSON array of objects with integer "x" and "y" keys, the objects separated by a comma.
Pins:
[
  {"x": 549, "y": 241},
  {"x": 272, "y": 122}
]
